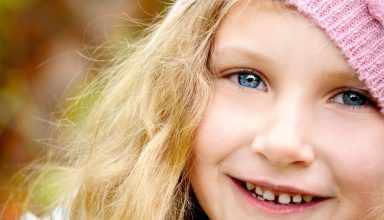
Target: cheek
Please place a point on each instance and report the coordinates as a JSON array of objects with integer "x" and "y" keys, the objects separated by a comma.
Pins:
[
  {"x": 354, "y": 150},
  {"x": 229, "y": 123},
  {"x": 214, "y": 134}
]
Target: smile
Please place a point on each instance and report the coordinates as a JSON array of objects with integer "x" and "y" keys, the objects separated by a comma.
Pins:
[
  {"x": 283, "y": 198},
  {"x": 274, "y": 199}
]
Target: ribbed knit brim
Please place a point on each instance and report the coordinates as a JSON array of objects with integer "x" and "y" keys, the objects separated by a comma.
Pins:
[{"x": 356, "y": 27}]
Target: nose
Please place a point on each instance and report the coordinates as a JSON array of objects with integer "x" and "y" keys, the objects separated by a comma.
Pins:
[{"x": 283, "y": 139}]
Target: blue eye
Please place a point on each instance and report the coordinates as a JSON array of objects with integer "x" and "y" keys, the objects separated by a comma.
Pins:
[
  {"x": 250, "y": 80},
  {"x": 352, "y": 99}
]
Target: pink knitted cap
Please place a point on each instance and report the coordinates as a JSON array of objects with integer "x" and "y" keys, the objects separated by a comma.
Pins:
[{"x": 356, "y": 27}]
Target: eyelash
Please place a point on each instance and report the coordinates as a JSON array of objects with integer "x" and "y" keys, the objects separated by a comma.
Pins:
[
  {"x": 369, "y": 101},
  {"x": 235, "y": 76}
]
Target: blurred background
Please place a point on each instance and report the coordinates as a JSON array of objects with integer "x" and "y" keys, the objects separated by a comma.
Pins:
[{"x": 44, "y": 47}]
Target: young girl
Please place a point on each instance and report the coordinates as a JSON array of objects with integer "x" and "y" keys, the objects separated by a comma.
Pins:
[{"x": 238, "y": 109}]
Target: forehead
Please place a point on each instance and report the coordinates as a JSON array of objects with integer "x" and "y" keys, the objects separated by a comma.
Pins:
[{"x": 271, "y": 33}]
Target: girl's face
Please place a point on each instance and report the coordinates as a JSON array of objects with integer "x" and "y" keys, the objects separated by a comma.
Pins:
[{"x": 291, "y": 132}]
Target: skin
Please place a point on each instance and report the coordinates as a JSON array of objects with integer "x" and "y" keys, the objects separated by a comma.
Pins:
[{"x": 294, "y": 129}]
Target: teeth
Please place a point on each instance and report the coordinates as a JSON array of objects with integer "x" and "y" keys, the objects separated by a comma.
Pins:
[
  {"x": 284, "y": 198},
  {"x": 269, "y": 195},
  {"x": 297, "y": 198},
  {"x": 307, "y": 198},
  {"x": 259, "y": 191},
  {"x": 260, "y": 198},
  {"x": 250, "y": 186}
]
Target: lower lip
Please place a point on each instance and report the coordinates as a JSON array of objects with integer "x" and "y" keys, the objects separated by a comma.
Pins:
[{"x": 272, "y": 208}]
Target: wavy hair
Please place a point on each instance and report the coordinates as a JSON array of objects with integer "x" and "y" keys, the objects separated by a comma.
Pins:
[{"x": 131, "y": 157}]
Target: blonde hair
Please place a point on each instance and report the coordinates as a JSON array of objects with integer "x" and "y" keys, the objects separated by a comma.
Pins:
[{"x": 131, "y": 157}]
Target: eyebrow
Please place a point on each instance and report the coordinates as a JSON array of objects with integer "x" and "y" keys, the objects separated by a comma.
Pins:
[
  {"x": 346, "y": 77},
  {"x": 249, "y": 58},
  {"x": 244, "y": 53},
  {"x": 245, "y": 57}
]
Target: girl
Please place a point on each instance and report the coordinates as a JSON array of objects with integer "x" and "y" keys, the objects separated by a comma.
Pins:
[{"x": 238, "y": 109}]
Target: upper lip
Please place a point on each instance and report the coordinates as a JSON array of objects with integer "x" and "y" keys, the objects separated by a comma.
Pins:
[{"x": 284, "y": 188}]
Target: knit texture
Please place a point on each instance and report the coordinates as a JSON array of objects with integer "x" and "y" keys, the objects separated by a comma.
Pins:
[{"x": 356, "y": 27}]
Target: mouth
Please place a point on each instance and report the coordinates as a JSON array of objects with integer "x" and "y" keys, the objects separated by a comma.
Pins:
[{"x": 278, "y": 199}]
